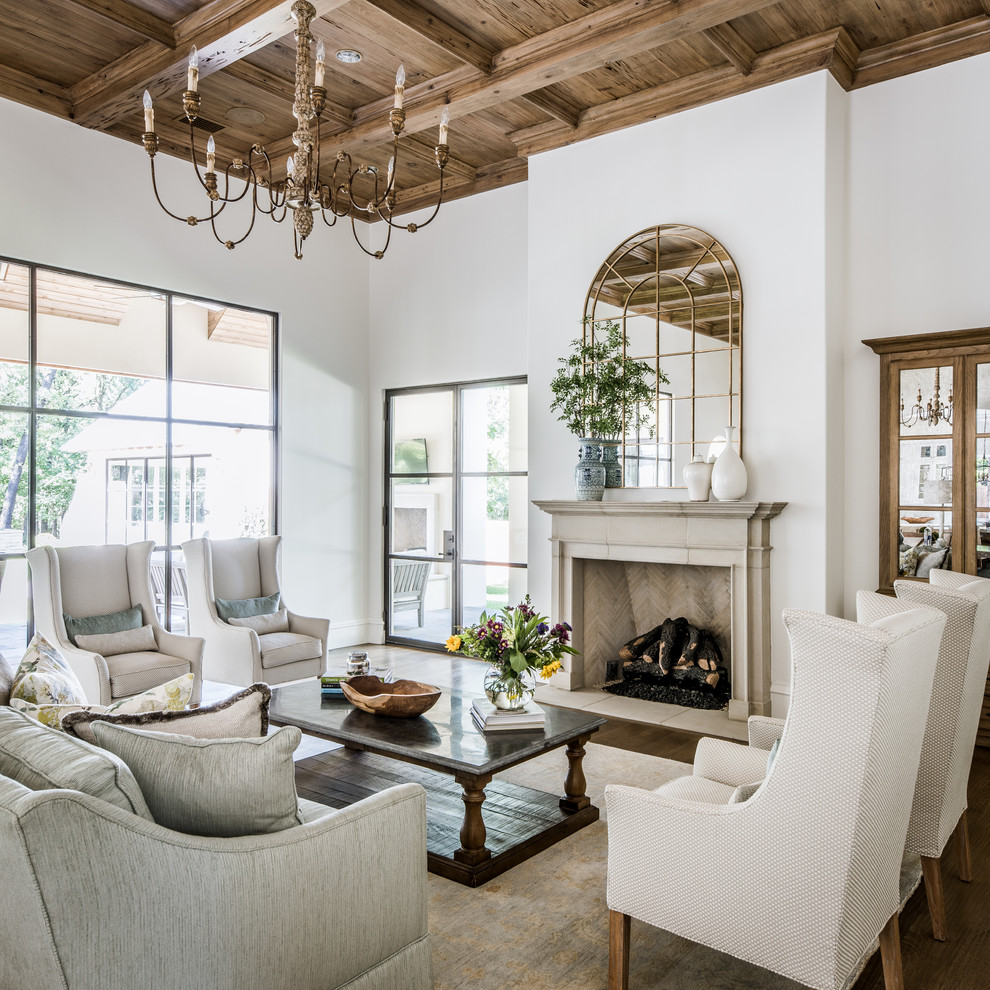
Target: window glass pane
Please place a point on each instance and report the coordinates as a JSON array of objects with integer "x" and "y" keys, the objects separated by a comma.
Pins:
[
  {"x": 230, "y": 474},
  {"x": 925, "y": 473},
  {"x": 14, "y": 609},
  {"x": 494, "y": 513},
  {"x": 221, "y": 364},
  {"x": 101, "y": 346},
  {"x": 422, "y": 427},
  {"x": 100, "y": 480},
  {"x": 15, "y": 472},
  {"x": 420, "y": 514},
  {"x": 925, "y": 401},
  {"x": 488, "y": 587},
  {"x": 420, "y": 599},
  {"x": 14, "y": 334},
  {"x": 983, "y": 544},
  {"x": 493, "y": 428}
]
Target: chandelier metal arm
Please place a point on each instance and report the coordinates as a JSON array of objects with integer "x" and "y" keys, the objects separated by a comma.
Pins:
[{"x": 302, "y": 191}]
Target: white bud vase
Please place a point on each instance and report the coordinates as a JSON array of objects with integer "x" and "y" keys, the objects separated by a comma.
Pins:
[
  {"x": 698, "y": 478},
  {"x": 729, "y": 476}
]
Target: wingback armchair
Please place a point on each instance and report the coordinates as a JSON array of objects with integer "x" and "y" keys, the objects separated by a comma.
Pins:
[
  {"x": 88, "y": 581},
  {"x": 236, "y": 570},
  {"x": 802, "y": 876}
]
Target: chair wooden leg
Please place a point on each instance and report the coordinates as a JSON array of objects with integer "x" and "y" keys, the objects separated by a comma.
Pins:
[
  {"x": 933, "y": 891},
  {"x": 618, "y": 951},
  {"x": 890, "y": 953},
  {"x": 962, "y": 850}
]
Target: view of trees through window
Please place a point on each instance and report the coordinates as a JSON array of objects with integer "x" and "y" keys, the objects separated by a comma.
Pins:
[{"x": 126, "y": 414}]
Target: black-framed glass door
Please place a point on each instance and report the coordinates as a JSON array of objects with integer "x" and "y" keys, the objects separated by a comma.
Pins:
[{"x": 456, "y": 506}]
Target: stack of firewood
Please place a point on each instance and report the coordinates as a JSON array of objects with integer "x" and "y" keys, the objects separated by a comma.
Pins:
[{"x": 683, "y": 653}]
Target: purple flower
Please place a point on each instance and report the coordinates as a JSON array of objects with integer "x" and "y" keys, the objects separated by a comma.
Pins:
[{"x": 542, "y": 628}]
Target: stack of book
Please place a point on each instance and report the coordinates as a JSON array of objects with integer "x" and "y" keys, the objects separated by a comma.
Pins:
[
  {"x": 330, "y": 681},
  {"x": 488, "y": 718}
]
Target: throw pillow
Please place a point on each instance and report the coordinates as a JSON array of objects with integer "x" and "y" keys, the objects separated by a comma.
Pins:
[
  {"x": 171, "y": 696},
  {"x": 6, "y": 679},
  {"x": 907, "y": 562},
  {"x": 138, "y": 640},
  {"x": 45, "y": 678},
  {"x": 35, "y": 756},
  {"x": 92, "y": 625},
  {"x": 51, "y": 715},
  {"x": 239, "y": 608},
  {"x": 272, "y": 622},
  {"x": 216, "y": 787},
  {"x": 242, "y": 715},
  {"x": 744, "y": 792},
  {"x": 773, "y": 755},
  {"x": 927, "y": 562}
]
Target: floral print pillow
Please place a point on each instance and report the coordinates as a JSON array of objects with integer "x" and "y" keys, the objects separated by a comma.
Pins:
[
  {"x": 45, "y": 678},
  {"x": 172, "y": 696},
  {"x": 51, "y": 715}
]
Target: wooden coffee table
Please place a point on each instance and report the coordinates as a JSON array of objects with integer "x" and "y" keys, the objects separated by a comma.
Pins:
[{"x": 456, "y": 763}]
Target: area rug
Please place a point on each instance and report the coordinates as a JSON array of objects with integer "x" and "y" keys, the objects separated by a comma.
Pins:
[{"x": 543, "y": 925}]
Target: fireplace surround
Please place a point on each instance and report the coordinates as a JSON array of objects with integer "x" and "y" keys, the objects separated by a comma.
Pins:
[{"x": 600, "y": 584}]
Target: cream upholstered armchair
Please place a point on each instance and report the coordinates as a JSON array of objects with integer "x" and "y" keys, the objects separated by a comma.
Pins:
[
  {"x": 87, "y": 581},
  {"x": 802, "y": 876},
  {"x": 236, "y": 570}
]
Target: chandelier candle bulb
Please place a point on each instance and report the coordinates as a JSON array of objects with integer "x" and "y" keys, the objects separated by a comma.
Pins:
[
  {"x": 290, "y": 165},
  {"x": 400, "y": 86},
  {"x": 444, "y": 123},
  {"x": 321, "y": 63},
  {"x": 192, "y": 75},
  {"x": 149, "y": 113},
  {"x": 211, "y": 155}
]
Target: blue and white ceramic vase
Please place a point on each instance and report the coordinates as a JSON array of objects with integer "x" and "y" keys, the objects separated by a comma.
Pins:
[
  {"x": 729, "y": 476},
  {"x": 610, "y": 458},
  {"x": 589, "y": 475}
]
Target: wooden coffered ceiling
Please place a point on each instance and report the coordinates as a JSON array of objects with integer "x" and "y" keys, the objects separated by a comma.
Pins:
[{"x": 519, "y": 76}]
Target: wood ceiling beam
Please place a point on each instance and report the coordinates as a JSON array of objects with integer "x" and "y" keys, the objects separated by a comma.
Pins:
[
  {"x": 923, "y": 51},
  {"x": 282, "y": 87},
  {"x": 433, "y": 29},
  {"x": 42, "y": 94},
  {"x": 619, "y": 30},
  {"x": 495, "y": 176},
  {"x": 788, "y": 61},
  {"x": 136, "y": 19},
  {"x": 566, "y": 111},
  {"x": 732, "y": 45},
  {"x": 223, "y": 31}
]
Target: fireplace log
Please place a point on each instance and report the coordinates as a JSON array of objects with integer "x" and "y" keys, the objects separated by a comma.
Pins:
[{"x": 635, "y": 648}]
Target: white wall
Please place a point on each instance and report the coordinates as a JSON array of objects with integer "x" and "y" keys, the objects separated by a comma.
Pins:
[
  {"x": 916, "y": 252},
  {"x": 447, "y": 304},
  {"x": 83, "y": 201},
  {"x": 750, "y": 171}
]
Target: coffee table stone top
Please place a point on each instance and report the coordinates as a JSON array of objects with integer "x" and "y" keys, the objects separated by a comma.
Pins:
[{"x": 446, "y": 736}]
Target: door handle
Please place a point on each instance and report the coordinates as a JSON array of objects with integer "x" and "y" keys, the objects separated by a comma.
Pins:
[{"x": 448, "y": 544}]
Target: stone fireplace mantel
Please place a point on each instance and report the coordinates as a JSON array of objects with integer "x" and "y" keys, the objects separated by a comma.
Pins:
[{"x": 731, "y": 535}]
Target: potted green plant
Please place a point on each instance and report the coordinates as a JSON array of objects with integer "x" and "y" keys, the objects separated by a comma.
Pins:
[{"x": 594, "y": 390}]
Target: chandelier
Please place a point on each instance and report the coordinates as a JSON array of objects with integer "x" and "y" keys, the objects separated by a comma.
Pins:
[
  {"x": 932, "y": 413},
  {"x": 303, "y": 191}
]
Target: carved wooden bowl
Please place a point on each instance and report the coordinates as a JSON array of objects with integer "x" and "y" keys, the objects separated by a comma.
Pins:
[
  {"x": 397, "y": 699},
  {"x": 917, "y": 520}
]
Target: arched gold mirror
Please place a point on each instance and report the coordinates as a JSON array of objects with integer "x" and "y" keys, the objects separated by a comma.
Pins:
[{"x": 676, "y": 293}]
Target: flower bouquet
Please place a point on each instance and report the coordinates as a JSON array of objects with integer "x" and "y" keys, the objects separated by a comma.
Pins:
[{"x": 518, "y": 642}]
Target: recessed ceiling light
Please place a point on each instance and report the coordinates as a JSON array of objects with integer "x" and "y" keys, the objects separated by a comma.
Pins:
[
  {"x": 245, "y": 115},
  {"x": 348, "y": 55}
]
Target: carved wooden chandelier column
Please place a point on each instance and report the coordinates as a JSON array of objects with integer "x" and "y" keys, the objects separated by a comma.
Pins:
[{"x": 302, "y": 191}]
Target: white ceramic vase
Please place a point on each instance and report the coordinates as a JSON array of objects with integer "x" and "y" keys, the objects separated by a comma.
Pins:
[
  {"x": 729, "y": 476},
  {"x": 698, "y": 478}
]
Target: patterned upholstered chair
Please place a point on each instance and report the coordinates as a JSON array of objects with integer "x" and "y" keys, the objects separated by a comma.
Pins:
[
  {"x": 802, "y": 876},
  {"x": 88, "y": 581},
  {"x": 939, "y": 808},
  {"x": 240, "y": 569}
]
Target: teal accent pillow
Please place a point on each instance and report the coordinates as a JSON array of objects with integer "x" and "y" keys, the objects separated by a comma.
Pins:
[
  {"x": 243, "y": 608},
  {"x": 97, "y": 625},
  {"x": 773, "y": 754}
]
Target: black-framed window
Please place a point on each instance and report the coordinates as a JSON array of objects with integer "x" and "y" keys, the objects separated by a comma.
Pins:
[{"x": 128, "y": 412}]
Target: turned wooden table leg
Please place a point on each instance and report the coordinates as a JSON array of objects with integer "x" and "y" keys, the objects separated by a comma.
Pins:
[
  {"x": 473, "y": 833},
  {"x": 574, "y": 798}
]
